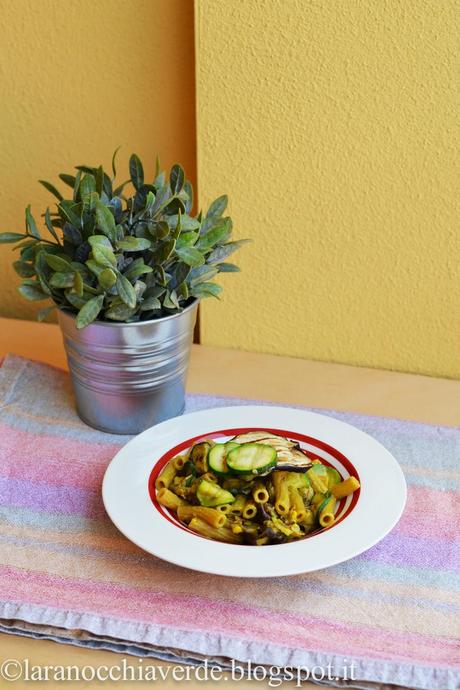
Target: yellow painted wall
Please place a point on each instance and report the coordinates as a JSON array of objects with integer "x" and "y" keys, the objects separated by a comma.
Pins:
[
  {"x": 79, "y": 78},
  {"x": 333, "y": 125}
]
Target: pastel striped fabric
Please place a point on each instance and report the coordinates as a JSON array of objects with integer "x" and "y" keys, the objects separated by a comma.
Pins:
[{"x": 67, "y": 574}]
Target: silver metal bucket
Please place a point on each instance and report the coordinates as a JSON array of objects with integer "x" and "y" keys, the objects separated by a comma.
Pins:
[{"x": 129, "y": 376}]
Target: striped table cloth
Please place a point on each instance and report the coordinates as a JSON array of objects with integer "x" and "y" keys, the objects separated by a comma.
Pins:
[{"x": 67, "y": 574}]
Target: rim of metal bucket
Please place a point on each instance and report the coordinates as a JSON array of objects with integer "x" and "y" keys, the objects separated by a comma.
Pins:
[{"x": 117, "y": 324}]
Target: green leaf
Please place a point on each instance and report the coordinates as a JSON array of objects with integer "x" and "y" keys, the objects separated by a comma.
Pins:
[
  {"x": 32, "y": 292},
  {"x": 62, "y": 280},
  {"x": 78, "y": 284},
  {"x": 50, "y": 226},
  {"x": 170, "y": 300},
  {"x": 94, "y": 267},
  {"x": 72, "y": 235},
  {"x": 91, "y": 201},
  {"x": 99, "y": 240},
  {"x": 190, "y": 256},
  {"x": 137, "y": 268},
  {"x": 68, "y": 179},
  {"x": 202, "y": 273},
  {"x": 75, "y": 300},
  {"x": 26, "y": 244},
  {"x": 218, "y": 206},
  {"x": 228, "y": 268},
  {"x": 149, "y": 201},
  {"x": 99, "y": 181},
  {"x": 162, "y": 199},
  {"x": 43, "y": 313},
  {"x": 187, "y": 222},
  {"x": 86, "y": 169},
  {"x": 44, "y": 285},
  {"x": 104, "y": 256},
  {"x": 51, "y": 188},
  {"x": 182, "y": 290},
  {"x": 175, "y": 233},
  {"x": 31, "y": 224},
  {"x": 150, "y": 303},
  {"x": 180, "y": 273},
  {"x": 214, "y": 236},
  {"x": 139, "y": 288},
  {"x": 28, "y": 252},
  {"x": 120, "y": 312},
  {"x": 105, "y": 221},
  {"x": 57, "y": 263},
  {"x": 76, "y": 188},
  {"x": 221, "y": 253},
  {"x": 187, "y": 239},
  {"x": 89, "y": 312},
  {"x": 159, "y": 230},
  {"x": 10, "y": 237},
  {"x": 87, "y": 186},
  {"x": 126, "y": 291},
  {"x": 188, "y": 189},
  {"x": 206, "y": 290},
  {"x": 114, "y": 158},
  {"x": 107, "y": 186},
  {"x": 164, "y": 251},
  {"x": 40, "y": 263},
  {"x": 136, "y": 171},
  {"x": 133, "y": 244},
  {"x": 176, "y": 178},
  {"x": 23, "y": 269},
  {"x": 107, "y": 278},
  {"x": 71, "y": 211}
]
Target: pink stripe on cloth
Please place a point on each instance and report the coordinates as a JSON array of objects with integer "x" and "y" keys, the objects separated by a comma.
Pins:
[
  {"x": 59, "y": 460},
  {"x": 248, "y": 622},
  {"x": 417, "y": 519}
]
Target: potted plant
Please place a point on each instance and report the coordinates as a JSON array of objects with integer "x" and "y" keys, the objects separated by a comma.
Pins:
[{"x": 125, "y": 272}]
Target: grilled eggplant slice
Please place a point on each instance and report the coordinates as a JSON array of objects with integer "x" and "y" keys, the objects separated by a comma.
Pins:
[
  {"x": 265, "y": 436},
  {"x": 294, "y": 461}
]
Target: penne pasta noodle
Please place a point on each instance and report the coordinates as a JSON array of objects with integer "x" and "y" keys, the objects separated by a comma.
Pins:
[
  {"x": 213, "y": 517},
  {"x": 282, "y": 499},
  {"x": 169, "y": 499},
  {"x": 250, "y": 509},
  {"x": 260, "y": 493},
  {"x": 219, "y": 533},
  {"x": 345, "y": 488},
  {"x": 166, "y": 477},
  {"x": 179, "y": 462},
  {"x": 298, "y": 511},
  {"x": 326, "y": 516}
]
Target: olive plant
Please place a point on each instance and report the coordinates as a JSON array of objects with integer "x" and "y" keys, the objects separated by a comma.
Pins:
[{"x": 113, "y": 255}]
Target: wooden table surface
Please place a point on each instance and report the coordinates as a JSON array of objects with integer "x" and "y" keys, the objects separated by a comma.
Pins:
[{"x": 248, "y": 375}]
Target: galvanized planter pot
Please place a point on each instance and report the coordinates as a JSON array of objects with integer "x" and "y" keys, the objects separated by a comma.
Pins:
[{"x": 129, "y": 376}]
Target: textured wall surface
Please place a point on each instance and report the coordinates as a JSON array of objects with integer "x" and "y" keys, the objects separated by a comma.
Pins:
[
  {"x": 77, "y": 80},
  {"x": 333, "y": 126}
]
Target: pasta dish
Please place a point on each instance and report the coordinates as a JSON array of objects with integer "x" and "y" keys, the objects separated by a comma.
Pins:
[{"x": 258, "y": 488}]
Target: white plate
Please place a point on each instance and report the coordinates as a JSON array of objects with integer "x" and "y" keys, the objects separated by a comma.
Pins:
[{"x": 361, "y": 520}]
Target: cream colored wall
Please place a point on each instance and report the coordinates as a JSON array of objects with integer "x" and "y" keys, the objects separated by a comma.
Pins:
[
  {"x": 334, "y": 128},
  {"x": 79, "y": 78}
]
